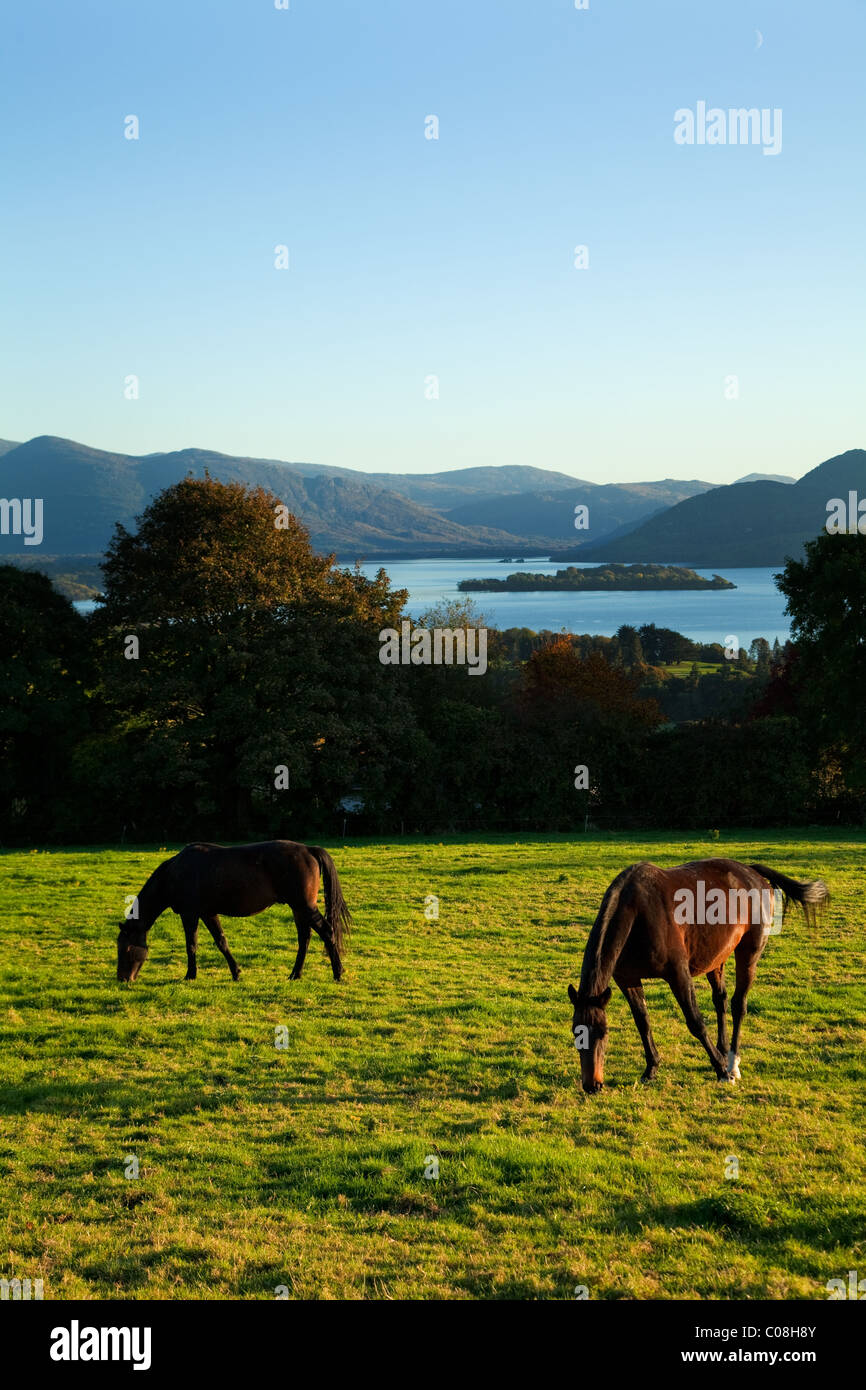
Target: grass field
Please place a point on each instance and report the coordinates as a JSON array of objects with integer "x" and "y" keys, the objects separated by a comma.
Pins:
[{"x": 304, "y": 1167}]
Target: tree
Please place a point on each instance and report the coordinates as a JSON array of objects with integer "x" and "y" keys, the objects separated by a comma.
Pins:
[
  {"x": 760, "y": 654},
  {"x": 252, "y": 695},
  {"x": 663, "y": 646},
  {"x": 569, "y": 712},
  {"x": 826, "y": 593},
  {"x": 629, "y": 647},
  {"x": 44, "y": 707}
]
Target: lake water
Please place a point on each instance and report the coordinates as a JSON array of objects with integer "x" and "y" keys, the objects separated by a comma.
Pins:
[{"x": 754, "y": 609}]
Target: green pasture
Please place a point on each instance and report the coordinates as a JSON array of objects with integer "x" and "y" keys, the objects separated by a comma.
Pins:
[{"x": 303, "y": 1169}]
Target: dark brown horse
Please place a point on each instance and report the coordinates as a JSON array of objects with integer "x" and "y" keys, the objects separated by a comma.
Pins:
[
  {"x": 240, "y": 880},
  {"x": 673, "y": 924}
]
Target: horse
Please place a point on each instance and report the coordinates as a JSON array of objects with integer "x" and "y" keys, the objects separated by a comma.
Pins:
[
  {"x": 675, "y": 924},
  {"x": 203, "y": 880}
]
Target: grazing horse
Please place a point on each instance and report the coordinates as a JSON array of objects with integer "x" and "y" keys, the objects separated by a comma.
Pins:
[
  {"x": 673, "y": 924},
  {"x": 239, "y": 880}
]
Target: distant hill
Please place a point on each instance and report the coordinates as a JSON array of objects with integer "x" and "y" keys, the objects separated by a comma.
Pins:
[
  {"x": 765, "y": 478},
  {"x": 511, "y": 510},
  {"x": 757, "y": 523},
  {"x": 551, "y": 513},
  {"x": 442, "y": 491},
  {"x": 87, "y": 490}
]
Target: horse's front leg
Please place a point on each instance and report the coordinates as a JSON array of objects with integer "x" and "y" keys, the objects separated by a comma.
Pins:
[
  {"x": 683, "y": 989},
  {"x": 214, "y": 926},
  {"x": 637, "y": 1003},
  {"x": 190, "y": 931}
]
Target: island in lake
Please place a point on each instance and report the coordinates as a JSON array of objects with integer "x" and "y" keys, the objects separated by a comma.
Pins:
[{"x": 600, "y": 577}]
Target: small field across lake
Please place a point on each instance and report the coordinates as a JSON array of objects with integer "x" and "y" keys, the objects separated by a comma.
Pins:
[{"x": 448, "y": 1040}]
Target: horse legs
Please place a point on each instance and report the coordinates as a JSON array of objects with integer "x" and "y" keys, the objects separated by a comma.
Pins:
[
  {"x": 305, "y": 931},
  {"x": 215, "y": 927},
  {"x": 190, "y": 931},
  {"x": 683, "y": 990},
  {"x": 637, "y": 1003},
  {"x": 720, "y": 999},
  {"x": 746, "y": 956},
  {"x": 323, "y": 929}
]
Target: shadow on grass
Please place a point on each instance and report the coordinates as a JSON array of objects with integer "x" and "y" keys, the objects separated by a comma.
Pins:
[{"x": 742, "y": 1214}]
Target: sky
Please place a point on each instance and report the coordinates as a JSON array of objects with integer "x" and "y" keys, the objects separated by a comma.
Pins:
[{"x": 431, "y": 316}]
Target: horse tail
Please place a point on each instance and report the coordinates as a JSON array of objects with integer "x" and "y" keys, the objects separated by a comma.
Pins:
[
  {"x": 337, "y": 913},
  {"x": 812, "y": 897}
]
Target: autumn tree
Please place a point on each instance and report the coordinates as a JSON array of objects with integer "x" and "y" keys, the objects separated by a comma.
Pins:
[{"x": 240, "y": 671}]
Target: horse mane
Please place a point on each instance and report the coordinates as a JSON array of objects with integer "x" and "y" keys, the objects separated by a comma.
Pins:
[
  {"x": 605, "y": 943},
  {"x": 154, "y": 892}
]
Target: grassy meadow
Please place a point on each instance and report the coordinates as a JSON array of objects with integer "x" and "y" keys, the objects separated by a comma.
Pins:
[{"x": 304, "y": 1168}]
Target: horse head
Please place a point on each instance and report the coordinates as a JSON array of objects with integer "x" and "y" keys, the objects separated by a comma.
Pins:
[
  {"x": 589, "y": 1029},
  {"x": 132, "y": 951}
]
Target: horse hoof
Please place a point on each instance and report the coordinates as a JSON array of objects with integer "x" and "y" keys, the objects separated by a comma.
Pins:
[
  {"x": 734, "y": 1067},
  {"x": 649, "y": 1076}
]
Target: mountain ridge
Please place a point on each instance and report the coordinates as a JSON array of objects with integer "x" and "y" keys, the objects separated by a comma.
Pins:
[
  {"x": 87, "y": 490},
  {"x": 741, "y": 524}
]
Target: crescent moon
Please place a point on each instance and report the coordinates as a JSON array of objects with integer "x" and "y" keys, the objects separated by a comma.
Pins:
[{"x": 760, "y": 39}]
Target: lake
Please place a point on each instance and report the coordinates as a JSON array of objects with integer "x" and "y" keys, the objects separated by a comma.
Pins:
[{"x": 754, "y": 609}]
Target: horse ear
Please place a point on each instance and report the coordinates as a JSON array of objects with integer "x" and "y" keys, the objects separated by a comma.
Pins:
[
  {"x": 572, "y": 994},
  {"x": 605, "y": 998}
]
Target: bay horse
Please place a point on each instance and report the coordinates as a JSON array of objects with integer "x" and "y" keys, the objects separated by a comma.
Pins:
[
  {"x": 203, "y": 880},
  {"x": 675, "y": 924}
]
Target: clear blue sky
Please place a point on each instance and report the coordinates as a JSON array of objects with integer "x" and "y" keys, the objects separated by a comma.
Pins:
[{"x": 411, "y": 257}]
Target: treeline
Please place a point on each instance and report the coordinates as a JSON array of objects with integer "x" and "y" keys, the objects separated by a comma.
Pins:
[
  {"x": 601, "y": 577},
  {"x": 229, "y": 686}
]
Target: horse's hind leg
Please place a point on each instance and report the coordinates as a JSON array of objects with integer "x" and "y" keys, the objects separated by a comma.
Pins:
[
  {"x": 190, "y": 931},
  {"x": 637, "y": 1003},
  {"x": 746, "y": 955},
  {"x": 683, "y": 989},
  {"x": 215, "y": 927},
  {"x": 322, "y": 928},
  {"x": 720, "y": 1000},
  {"x": 305, "y": 931}
]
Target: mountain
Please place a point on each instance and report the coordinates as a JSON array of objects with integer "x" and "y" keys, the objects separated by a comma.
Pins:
[
  {"x": 469, "y": 511},
  {"x": 6, "y": 445},
  {"x": 766, "y": 478},
  {"x": 86, "y": 490},
  {"x": 759, "y": 523},
  {"x": 611, "y": 506},
  {"x": 442, "y": 491}
]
